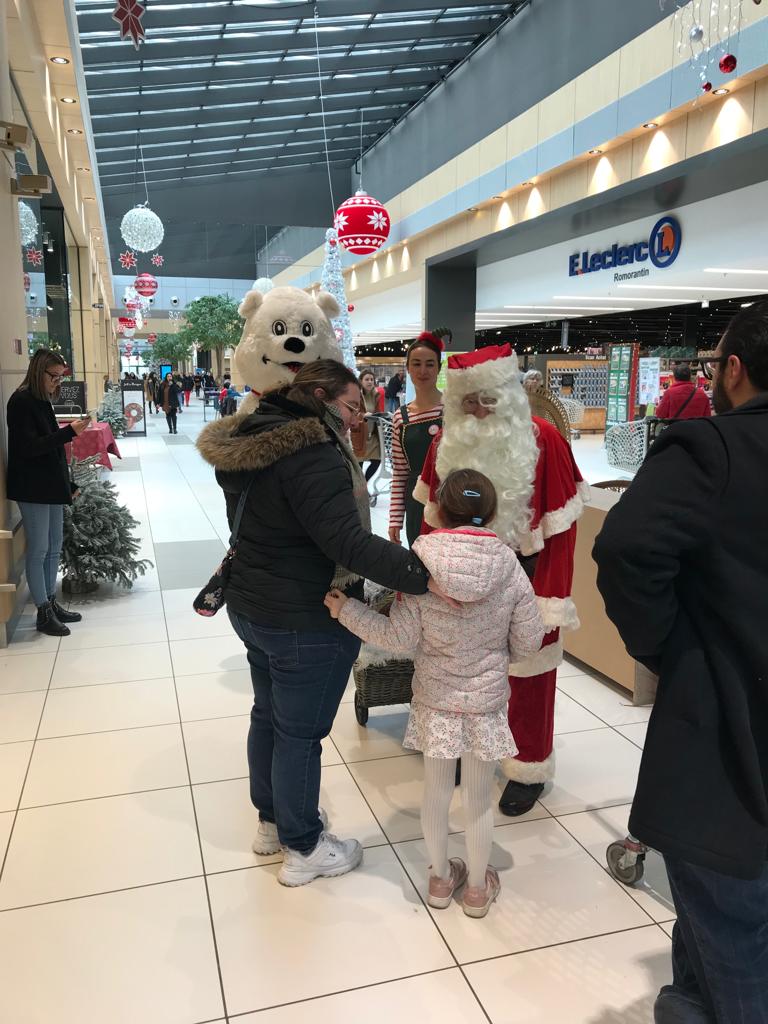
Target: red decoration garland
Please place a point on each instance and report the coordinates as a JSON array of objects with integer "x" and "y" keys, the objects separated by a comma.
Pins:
[
  {"x": 128, "y": 15},
  {"x": 127, "y": 260},
  {"x": 158, "y": 260},
  {"x": 34, "y": 256}
]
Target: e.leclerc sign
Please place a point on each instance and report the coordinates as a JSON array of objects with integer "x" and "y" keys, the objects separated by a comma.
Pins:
[{"x": 662, "y": 248}]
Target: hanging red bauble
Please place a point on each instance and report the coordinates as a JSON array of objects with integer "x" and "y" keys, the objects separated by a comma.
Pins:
[
  {"x": 132, "y": 305},
  {"x": 362, "y": 223},
  {"x": 145, "y": 284},
  {"x": 127, "y": 260},
  {"x": 707, "y": 87},
  {"x": 128, "y": 14},
  {"x": 158, "y": 260},
  {"x": 728, "y": 64},
  {"x": 350, "y": 308},
  {"x": 126, "y": 322},
  {"x": 151, "y": 339},
  {"x": 34, "y": 256},
  {"x": 27, "y": 282}
]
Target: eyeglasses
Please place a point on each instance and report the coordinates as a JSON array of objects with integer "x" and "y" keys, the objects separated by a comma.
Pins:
[
  {"x": 470, "y": 403},
  {"x": 55, "y": 376},
  {"x": 354, "y": 409},
  {"x": 708, "y": 365}
]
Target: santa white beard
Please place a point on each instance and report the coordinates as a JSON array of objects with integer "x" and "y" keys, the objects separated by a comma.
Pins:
[{"x": 501, "y": 446}]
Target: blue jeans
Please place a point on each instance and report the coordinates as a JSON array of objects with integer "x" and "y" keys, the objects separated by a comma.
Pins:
[
  {"x": 298, "y": 680},
  {"x": 719, "y": 949},
  {"x": 44, "y": 532}
]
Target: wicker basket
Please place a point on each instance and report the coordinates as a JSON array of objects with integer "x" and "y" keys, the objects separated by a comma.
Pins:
[{"x": 380, "y": 681}]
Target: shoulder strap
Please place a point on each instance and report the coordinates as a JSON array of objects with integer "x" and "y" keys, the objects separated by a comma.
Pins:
[
  {"x": 239, "y": 513},
  {"x": 680, "y": 411},
  {"x": 404, "y": 412}
]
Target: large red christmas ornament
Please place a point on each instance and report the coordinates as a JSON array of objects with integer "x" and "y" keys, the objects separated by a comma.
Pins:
[
  {"x": 158, "y": 260},
  {"x": 145, "y": 284},
  {"x": 34, "y": 256},
  {"x": 126, "y": 322},
  {"x": 706, "y": 87},
  {"x": 362, "y": 223},
  {"x": 128, "y": 14},
  {"x": 728, "y": 64},
  {"x": 127, "y": 260}
]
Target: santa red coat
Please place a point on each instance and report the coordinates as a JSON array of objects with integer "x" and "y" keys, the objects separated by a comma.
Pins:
[{"x": 558, "y": 500}]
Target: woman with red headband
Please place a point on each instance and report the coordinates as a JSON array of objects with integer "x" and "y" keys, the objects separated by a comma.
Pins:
[{"x": 414, "y": 427}]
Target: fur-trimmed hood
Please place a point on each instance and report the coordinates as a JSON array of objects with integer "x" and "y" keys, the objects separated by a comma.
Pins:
[{"x": 247, "y": 443}]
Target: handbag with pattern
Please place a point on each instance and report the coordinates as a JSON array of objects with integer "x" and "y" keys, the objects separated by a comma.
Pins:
[{"x": 213, "y": 596}]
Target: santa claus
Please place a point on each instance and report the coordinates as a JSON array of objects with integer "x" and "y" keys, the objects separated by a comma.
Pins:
[{"x": 487, "y": 426}]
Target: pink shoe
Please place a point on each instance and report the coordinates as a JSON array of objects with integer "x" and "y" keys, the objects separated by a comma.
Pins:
[
  {"x": 477, "y": 899},
  {"x": 441, "y": 890}
]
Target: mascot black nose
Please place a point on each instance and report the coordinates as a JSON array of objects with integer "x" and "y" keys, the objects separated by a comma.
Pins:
[{"x": 294, "y": 345}]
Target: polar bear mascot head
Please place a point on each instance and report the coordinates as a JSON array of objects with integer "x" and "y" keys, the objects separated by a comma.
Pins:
[{"x": 284, "y": 329}]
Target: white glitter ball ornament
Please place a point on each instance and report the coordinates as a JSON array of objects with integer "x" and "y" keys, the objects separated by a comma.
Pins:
[
  {"x": 27, "y": 224},
  {"x": 142, "y": 230}
]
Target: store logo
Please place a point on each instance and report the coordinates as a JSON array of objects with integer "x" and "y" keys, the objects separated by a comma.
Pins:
[{"x": 662, "y": 249}]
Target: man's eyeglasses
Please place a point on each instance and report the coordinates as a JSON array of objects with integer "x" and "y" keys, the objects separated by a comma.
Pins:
[
  {"x": 354, "y": 409},
  {"x": 708, "y": 365}
]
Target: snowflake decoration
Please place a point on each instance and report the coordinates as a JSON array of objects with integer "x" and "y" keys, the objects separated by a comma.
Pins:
[
  {"x": 341, "y": 221},
  {"x": 127, "y": 260},
  {"x": 128, "y": 14},
  {"x": 377, "y": 220},
  {"x": 34, "y": 256},
  {"x": 158, "y": 260}
]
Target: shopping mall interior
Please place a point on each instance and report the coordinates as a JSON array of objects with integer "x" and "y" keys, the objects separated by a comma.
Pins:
[{"x": 583, "y": 181}]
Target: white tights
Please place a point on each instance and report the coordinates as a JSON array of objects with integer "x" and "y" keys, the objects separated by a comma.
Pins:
[{"x": 477, "y": 779}]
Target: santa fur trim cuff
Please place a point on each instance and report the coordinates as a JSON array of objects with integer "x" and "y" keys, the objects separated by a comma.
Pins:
[
  {"x": 431, "y": 517},
  {"x": 545, "y": 660},
  {"x": 558, "y": 613},
  {"x": 529, "y": 772},
  {"x": 562, "y": 519},
  {"x": 532, "y": 542},
  {"x": 421, "y": 492}
]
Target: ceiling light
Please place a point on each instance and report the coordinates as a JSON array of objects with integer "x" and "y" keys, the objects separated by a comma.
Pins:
[
  {"x": 59, "y": 60},
  {"x": 83, "y": 168},
  {"x": 595, "y": 152},
  {"x": 721, "y": 92},
  {"x": 471, "y": 209},
  {"x": 650, "y": 124},
  {"x": 91, "y": 199},
  {"x": 526, "y": 184},
  {"x": 576, "y": 309},
  {"x": 732, "y": 270},
  {"x": 746, "y": 305},
  {"x": 623, "y": 298},
  {"x": 686, "y": 288},
  {"x": 68, "y": 99},
  {"x": 74, "y": 131}
]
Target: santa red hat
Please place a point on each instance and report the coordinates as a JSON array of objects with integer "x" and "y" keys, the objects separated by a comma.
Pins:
[{"x": 489, "y": 367}]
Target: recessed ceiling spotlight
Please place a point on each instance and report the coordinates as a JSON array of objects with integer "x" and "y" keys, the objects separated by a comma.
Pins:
[
  {"x": 68, "y": 99},
  {"x": 91, "y": 199},
  {"x": 83, "y": 168},
  {"x": 527, "y": 184},
  {"x": 595, "y": 152},
  {"x": 59, "y": 60},
  {"x": 650, "y": 124},
  {"x": 74, "y": 131},
  {"x": 721, "y": 92},
  {"x": 471, "y": 209},
  {"x": 497, "y": 197}
]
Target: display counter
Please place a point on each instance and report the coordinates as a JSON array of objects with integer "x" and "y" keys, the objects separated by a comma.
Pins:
[{"x": 597, "y": 643}]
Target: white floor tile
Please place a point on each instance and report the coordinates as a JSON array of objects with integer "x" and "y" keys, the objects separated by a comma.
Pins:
[
  {"x": 20, "y": 715},
  {"x": 440, "y": 998},
  {"x": 228, "y": 820},
  {"x": 572, "y": 717},
  {"x": 215, "y": 695},
  {"x": 116, "y": 631},
  {"x": 613, "y": 979},
  {"x": 184, "y": 624},
  {"x": 143, "y": 955},
  {"x": 118, "y": 602},
  {"x": 613, "y": 706},
  {"x": 22, "y": 673},
  {"x": 381, "y": 737},
  {"x": 79, "y": 709},
  {"x": 596, "y": 829},
  {"x": 551, "y": 891},
  {"x": 14, "y": 758},
  {"x": 593, "y": 769},
  {"x": 27, "y": 640},
  {"x": 6, "y": 823},
  {"x": 369, "y": 926},
  {"x": 570, "y": 668},
  {"x": 223, "y": 654},
  {"x": 94, "y": 846},
  {"x": 636, "y": 732},
  {"x": 105, "y": 764},
  {"x": 111, "y": 665},
  {"x": 668, "y": 927},
  {"x": 393, "y": 788}
]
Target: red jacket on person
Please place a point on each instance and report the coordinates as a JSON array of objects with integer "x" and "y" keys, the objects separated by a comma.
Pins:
[{"x": 671, "y": 405}]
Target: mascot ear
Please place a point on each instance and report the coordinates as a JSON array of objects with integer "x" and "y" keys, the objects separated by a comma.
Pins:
[
  {"x": 250, "y": 304},
  {"x": 328, "y": 304}
]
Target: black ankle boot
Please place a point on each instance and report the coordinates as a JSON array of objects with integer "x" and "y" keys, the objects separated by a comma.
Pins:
[
  {"x": 62, "y": 614},
  {"x": 48, "y": 623}
]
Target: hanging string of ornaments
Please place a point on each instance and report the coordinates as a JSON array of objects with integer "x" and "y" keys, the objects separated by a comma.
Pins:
[{"x": 708, "y": 31}]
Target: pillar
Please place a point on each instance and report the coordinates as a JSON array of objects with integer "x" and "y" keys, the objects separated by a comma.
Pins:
[{"x": 450, "y": 300}]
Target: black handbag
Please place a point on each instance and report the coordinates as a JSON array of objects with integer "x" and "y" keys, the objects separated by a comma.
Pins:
[{"x": 213, "y": 596}]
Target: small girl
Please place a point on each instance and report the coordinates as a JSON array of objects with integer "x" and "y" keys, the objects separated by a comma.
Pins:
[{"x": 460, "y": 682}]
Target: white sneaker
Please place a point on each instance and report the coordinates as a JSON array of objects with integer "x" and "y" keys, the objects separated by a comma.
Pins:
[
  {"x": 266, "y": 842},
  {"x": 331, "y": 857}
]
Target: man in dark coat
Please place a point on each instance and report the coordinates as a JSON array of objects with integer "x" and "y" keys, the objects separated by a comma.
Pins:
[{"x": 683, "y": 569}]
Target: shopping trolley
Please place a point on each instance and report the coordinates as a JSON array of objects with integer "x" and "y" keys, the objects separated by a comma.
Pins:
[
  {"x": 626, "y": 860},
  {"x": 382, "y": 480}
]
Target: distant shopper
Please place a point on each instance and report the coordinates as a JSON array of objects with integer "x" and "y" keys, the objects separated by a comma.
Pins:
[
  {"x": 683, "y": 569},
  {"x": 188, "y": 383},
  {"x": 533, "y": 379},
  {"x": 460, "y": 683},
  {"x": 683, "y": 400},
  {"x": 150, "y": 390},
  {"x": 170, "y": 398},
  {"x": 365, "y": 433},
  {"x": 39, "y": 481},
  {"x": 305, "y": 528},
  {"x": 395, "y": 385},
  {"x": 197, "y": 381}
]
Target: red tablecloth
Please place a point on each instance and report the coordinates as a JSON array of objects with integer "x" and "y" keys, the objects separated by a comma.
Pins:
[{"x": 97, "y": 439}]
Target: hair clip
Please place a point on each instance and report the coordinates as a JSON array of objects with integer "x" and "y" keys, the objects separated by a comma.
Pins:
[
  {"x": 471, "y": 494},
  {"x": 477, "y": 520}
]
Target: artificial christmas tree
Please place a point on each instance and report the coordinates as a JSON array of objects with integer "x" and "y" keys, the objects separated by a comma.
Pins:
[
  {"x": 98, "y": 539},
  {"x": 332, "y": 281},
  {"x": 111, "y": 412}
]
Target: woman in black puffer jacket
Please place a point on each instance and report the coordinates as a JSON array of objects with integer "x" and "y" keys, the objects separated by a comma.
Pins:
[{"x": 305, "y": 528}]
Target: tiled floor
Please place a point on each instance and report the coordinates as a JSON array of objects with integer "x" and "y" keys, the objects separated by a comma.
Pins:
[{"x": 129, "y": 892}]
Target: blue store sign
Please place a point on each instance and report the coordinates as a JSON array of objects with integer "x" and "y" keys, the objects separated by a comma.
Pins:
[{"x": 661, "y": 248}]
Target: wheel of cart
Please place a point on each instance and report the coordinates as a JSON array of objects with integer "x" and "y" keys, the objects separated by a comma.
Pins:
[
  {"x": 380, "y": 679},
  {"x": 626, "y": 860}
]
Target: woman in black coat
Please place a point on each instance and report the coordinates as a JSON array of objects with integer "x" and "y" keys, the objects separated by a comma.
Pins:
[
  {"x": 38, "y": 481},
  {"x": 305, "y": 528},
  {"x": 168, "y": 398}
]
